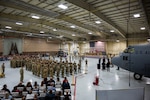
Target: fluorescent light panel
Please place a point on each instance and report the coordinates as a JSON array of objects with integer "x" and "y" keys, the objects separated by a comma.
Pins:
[
  {"x": 41, "y": 31},
  {"x": 117, "y": 40},
  {"x": 73, "y": 35},
  {"x": 142, "y": 28},
  {"x": 112, "y": 31},
  {"x": 54, "y": 29},
  {"x": 62, "y": 6},
  {"x": 8, "y": 27},
  {"x": 90, "y": 33},
  {"x": 148, "y": 39},
  {"x": 136, "y": 15},
  {"x": 97, "y": 22},
  {"x": 73, "y": 26},
  {"x": 18, "y": 23},
  {"x": 35, "y": 17},
  {"x": 61, "y": 36}
]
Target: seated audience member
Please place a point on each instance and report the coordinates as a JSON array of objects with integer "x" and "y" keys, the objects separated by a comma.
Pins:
[
  {"x": 5, "y": 88},
  {"x": 51, "y": 81},
  {"x": 59, "y": 96},
  {"x": 65, "y": 85},
  {"x": 42, "y": 87},
  {"x": 58, "y": 82},
  {"x": 65, "y": 79},
  {"x": 23, "y": 98},
  {"x": 67, "y": 96},
  {"x": 35, "y": 86},
  {"x": 44, "y": 81},
  {"x": 25, "y": 89},
  {"x": 50, "y": 96},
  {"x": 20, "y": 85},
  {"x": 29, "y": 86},
  {"x": 30, "y": 95},
  {"x": 51, "y": 87},
  {"x": 35, "y": 97},
  {"x": 15, "y": 89},
  {"x": 8, "y": 94}
]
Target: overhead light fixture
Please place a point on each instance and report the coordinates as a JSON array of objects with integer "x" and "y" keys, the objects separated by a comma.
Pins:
[
  {"x": 117, "y": 40},
  {"x": 73, "y": 35},
  {"x": 61, "y": 36},
  {"x": 90, "y": 33},
  {"x": 18, "y": 23},
  {"x": 148, "y": 39},
  {"x": 42, "y": 32},
  {"x": 8, "y": 27},
  {"x": 62, "y": 6},
  {"x": 73, "y": 26},
  {"x": 97, "y": 22},
  {"x": 142, "y": 28},
  {"x": 136, "y": 15},
  {"x": 35, "y": 17},
  {"x": 112, "y": 31},
  {"x": 54, "y": 29}
]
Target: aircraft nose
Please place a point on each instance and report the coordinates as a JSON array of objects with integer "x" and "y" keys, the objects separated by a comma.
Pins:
[{"x": 116, "y": 61}]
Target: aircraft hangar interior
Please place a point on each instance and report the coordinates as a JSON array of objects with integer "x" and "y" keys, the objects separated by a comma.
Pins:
[{"x": 99, "y": 49}]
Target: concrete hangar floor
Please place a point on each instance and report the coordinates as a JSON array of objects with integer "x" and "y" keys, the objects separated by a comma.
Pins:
[{"x": 84, "y": 88}]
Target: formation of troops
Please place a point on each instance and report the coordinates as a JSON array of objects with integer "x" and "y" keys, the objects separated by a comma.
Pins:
[{"x": 46, "y": 67}]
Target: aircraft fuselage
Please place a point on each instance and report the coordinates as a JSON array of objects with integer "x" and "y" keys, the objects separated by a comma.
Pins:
[{"x": 135, "y": 59}]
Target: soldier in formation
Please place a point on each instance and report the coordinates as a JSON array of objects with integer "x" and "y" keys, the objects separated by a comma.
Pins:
[
  {"x": 46, "y": 67},
  {"x": 21, "y": 74},
  {"x": 3, "y": 68}
]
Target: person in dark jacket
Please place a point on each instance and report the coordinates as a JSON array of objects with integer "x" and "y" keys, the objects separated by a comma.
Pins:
[
  {"x": 65, "y": 85},
  {"x": 108, "y": 65},
  {"x": 5, "y": 88},
  {"x": 50, "y": 96}
]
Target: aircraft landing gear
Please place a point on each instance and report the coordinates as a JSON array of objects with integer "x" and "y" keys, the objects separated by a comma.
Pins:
[{"x": 137, "y": 76}]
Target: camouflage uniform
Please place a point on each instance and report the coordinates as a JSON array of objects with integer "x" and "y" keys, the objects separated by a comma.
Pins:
[
  {"x": 38, "y": 69},
  {"x": 70, "y": 67},
  {"x": 21, "y": 74},
  {"x": 58, "y": 69},
  {"x": 75, "y": 67},
  {"x": 79, "y": 68},
  {"x": 62, "y": 70}
]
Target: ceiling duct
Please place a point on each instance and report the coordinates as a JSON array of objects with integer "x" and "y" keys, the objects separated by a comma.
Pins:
[
  {"x": 17, "y": 4},
  {"x": 27, "y": 33}
]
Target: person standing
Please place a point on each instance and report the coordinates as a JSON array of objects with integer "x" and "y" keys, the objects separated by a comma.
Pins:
[
  {"x": 3, "y": 68},
  {"x": 99, "y": 60},
  {"x": 21, "y": 74},
  {"x": 86, "y": 65},
  {"x": 86, "y": 62},
  {"x": 103, "y": 64},
  {"x": 79, "y": 68},
  {"x": 108, "y": 65}
]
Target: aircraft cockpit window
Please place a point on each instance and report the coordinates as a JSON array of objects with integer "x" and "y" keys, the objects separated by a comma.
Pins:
[{"x": 129, "y": 50}]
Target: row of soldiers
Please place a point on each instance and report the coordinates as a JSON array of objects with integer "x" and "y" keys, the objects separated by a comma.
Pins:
[{"x": 47, "y": 68}]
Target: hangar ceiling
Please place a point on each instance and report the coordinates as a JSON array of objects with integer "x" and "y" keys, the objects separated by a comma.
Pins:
[{"x": 82, "y": 20}]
